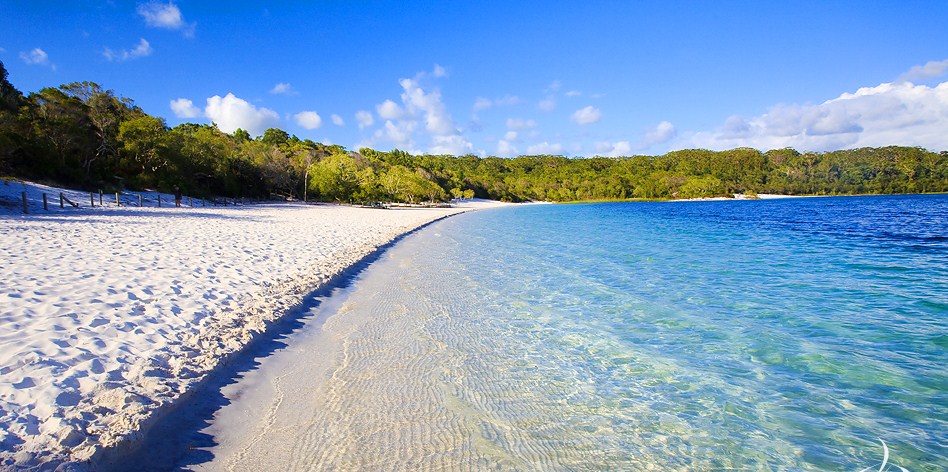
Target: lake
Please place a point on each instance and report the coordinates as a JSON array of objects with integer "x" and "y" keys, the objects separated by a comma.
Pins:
[{"x": 754, "y": 335}]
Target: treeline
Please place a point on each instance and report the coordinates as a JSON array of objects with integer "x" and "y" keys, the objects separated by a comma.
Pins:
[{"x": 82, "y": 135}]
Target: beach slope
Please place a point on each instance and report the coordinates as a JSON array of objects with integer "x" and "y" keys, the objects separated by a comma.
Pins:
[{"x": 108, "y": 315}]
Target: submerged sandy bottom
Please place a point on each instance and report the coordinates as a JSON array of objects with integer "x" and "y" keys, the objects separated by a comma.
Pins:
[
  {"x": 363, "y": 385},
  {"x": 109, "y": 315},
  {"x": 382, "y": 377}
]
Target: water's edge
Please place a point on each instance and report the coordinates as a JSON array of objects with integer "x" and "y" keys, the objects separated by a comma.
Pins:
[{"x": 173, "y": 430}]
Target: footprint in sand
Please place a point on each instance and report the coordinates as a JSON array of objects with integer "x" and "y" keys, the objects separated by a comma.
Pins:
[
  {"x": 68, "y": 399},
  {"x": 27, "y": 382}
]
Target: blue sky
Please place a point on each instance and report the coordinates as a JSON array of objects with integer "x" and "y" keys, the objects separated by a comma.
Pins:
[{"x": 509, "y": 78}]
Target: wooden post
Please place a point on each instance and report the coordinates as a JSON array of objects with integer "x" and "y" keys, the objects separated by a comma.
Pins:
[
  {"x": 204, "y": 202},
  {"x": 139, "y": 200},
  {"x": 25, "y": 208},
  {"x": 92, "y": 199},
  {"x": 100, "y": 197},
  {"x": 117, "y": 202},
  {"x": 62, "y": 204},
  {"x": 45, "y": 205},
  {"x": 159, "y": 200}
]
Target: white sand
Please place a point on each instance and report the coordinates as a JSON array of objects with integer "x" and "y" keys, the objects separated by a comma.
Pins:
[{"x": 107, "y": 315}]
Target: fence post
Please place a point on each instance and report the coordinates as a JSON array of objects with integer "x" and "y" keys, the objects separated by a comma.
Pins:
[
  {"x": 139, "y": 200},
  {"x": 159, "y": 200},
  {"x": 62, "y": 204},
  {"x": 100, "y": 197},
  {"x": 25, "y": 208},
  {"x": 117, "y": 202},
  {"x": 45, "y": 205},
  {"x": 92, "y": 199}
]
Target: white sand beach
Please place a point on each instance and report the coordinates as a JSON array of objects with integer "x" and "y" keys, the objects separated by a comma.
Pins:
[{"x": 108, "y": 315}]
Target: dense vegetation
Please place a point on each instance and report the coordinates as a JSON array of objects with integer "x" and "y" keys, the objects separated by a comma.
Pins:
[{"x": 81, "y": 134}]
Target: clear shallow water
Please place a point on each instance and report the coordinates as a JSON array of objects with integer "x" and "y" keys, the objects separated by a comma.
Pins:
[{"x": 769, "y": 335}]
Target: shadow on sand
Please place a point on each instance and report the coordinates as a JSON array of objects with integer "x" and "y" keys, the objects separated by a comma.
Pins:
[{"x": 173, "y": 440}]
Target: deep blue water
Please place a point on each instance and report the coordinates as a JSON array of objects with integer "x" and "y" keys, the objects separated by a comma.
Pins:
[{"x": 758, "y": 335}]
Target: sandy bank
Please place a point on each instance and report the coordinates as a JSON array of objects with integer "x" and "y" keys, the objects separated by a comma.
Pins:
[
  {"x": 109, "y": 315},
  {"x": 740, "y": 196}
]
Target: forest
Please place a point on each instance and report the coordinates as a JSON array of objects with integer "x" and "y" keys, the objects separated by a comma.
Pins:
[{"x": 84, "y": 136}]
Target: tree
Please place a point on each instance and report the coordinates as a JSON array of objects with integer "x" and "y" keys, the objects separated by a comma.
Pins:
[
  {"x": 241, "y": 135},
  {"x": 275, "y": 137},
  {"x": 274, "y": 166},
  {"x": 105, "y": 111},
  {"x": 145, "y": 140},
  {"x": 12, "y": 136},
  {"x": 62, "y": 121},
  {"x": 10, "y": 97},
  {"x": 403, "y": 184},
  {"x": 335, "y": 177},
  {"x": 203, "y": 159}
]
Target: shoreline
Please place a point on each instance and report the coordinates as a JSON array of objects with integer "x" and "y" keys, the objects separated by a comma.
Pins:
[
  {"x": 178, "y": 416},
  {"x": 113, "y": 317}
]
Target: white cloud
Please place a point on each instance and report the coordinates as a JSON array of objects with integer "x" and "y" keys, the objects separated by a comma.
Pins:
[
  {"x": 616, "y": 149},
  {"x": 545, "y": 148},
  {"x": 36, "y": 56},
  {"x": 230, "y": 113},
  {"x": 586, "y": 116},
  {"x": 364, "y": 118},
  {"x": 508, "y": 100},
  {"x": 420, "y": 106},
  {"x": 453, "y": 144},
  {"x": 283, "y": 88},
  {"x": 308, "y": 119},
  {"x": 510, "y": 136},
  {"x": 482, "y": 103},
  {"x": 167, "y": 16},
  {"x": 573, "y": 93},
  {"x": 445, "y": 136},
  {"x": 399, "y": 134},
  {"x": 143, "y": 49},
  {"x": 548, "y": 104},
  {"x": 661, "y": 133},
  {"x": 337, "y": 120},
  {"x": 389, "y": 110},
  {"x": 437, "y": 120},
  {"x": 518, "y": 124},
  {"x": 888, "y": 114},
  {"x": 506, "y": 149},
  {"x": 931, "y": 70},
  {"x": 184, "y": 108},
  {"x": 439, "y": 71},
  {"x": 554, "y": 86}
]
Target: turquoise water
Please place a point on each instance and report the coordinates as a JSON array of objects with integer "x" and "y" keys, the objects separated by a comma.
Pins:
[
  {"x": 760, "y": 335},
  {"x": 790, "y": 334}
]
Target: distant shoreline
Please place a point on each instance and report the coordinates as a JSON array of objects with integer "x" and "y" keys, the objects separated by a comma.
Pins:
[{"x": 737, "y": 197}]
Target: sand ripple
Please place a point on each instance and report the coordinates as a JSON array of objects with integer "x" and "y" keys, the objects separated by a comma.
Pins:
[{"x": 107, "y": 316}]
